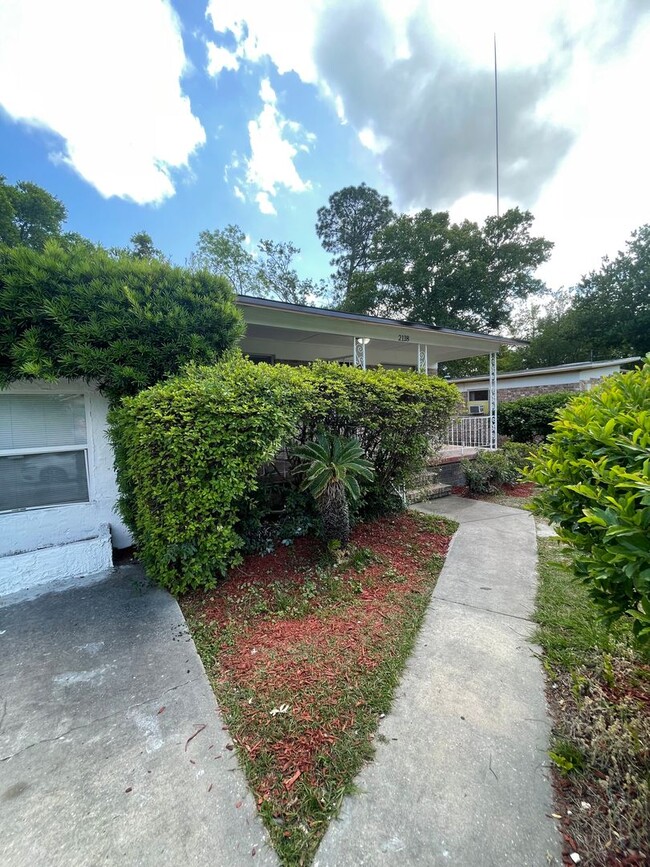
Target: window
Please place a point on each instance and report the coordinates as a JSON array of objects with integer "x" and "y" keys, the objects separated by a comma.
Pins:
[
  {"x": 482, "y": 394},
  {"x": 43, "y": 450}
]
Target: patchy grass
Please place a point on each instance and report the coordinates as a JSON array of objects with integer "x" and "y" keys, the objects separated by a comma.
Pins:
[
  {"x": 304, "y": 658},
  {"x": 599, "y": 693}
]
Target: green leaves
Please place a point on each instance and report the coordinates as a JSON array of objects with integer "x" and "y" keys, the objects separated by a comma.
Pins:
[
  {"x": 330, "y": 459},
  {"x": 595, "y": 474},
  {"x": 530, "y": 419},
  {"x": 126, "y": 323}
]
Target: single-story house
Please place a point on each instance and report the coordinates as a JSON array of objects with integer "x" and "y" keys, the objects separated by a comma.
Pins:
[
  {"x": 511, "y": 385},
  {"x": 58, "y": 491}
]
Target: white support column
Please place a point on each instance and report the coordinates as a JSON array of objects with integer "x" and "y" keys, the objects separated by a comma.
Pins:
[
  {"x": 492, "y": 394},
  {"x": 359, "y": 352},
  {"x": 423, "y": 362}
]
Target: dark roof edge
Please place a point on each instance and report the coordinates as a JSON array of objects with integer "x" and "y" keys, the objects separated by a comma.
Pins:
[
  {"x": 251, "y": 301},
  {"x": 557, "y": 368}
]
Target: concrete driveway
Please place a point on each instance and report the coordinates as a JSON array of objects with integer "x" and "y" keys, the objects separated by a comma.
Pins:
[{"x": 101, "y": 690}]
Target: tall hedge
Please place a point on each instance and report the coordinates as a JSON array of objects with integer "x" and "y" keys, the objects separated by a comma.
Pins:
[
  {"x": 529, "y": 419},
  {"x": 78, "y": 311},
  {"x": 595, "y": 474},
  {"x": 187, "y": 452},
  {"x": 394, "y": 414}
]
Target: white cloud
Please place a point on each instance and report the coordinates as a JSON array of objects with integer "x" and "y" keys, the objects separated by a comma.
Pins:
[
  {"x": 220, "y": 59},
  {"x": 238, "y": 193},
  {"x": 275, "y": 142},
  {"x": 261, "y": 31},
  {"x": 105, "y": 76},
  {"x": 414, "y": 81},
  {"x": 265, "y": 204}
]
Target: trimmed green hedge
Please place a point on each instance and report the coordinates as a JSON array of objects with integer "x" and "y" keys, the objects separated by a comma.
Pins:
[
  {"x": 394, "y": 414},
  {"x": 187, "y": 453},
  {"x": 125, "y": 323},
  {"x": 529, "y": 419},
  {"x": 595, "y": 474}
]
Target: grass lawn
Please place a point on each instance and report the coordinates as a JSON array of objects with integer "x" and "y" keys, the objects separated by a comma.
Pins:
[
  {"x": 599, "y": 695},
  {"x": 304, "y": 657}
]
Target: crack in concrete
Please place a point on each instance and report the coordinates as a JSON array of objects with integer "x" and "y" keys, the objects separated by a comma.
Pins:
[
  {"x": 481, "y": 608},
  {"x": 100, "y": 719}
]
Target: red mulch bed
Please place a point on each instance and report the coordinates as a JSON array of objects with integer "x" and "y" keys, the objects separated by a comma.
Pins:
[{"x": 325, "y": 662}]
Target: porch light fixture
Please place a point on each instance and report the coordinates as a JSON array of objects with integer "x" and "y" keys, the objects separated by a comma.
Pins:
[{"x": 363, "y": 341}]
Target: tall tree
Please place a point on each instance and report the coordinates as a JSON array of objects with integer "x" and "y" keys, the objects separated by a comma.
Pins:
[
  {"x": 29, "y": 215},
  {"x": 268, "y": 272},
  {"x": 346, "y": 228},
  {"x": 459, "y": 275},
  {"x": 608, "y": 316}
]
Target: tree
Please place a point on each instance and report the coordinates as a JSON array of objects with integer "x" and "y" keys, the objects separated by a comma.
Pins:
[
  {"x": 425, "y": 268},
  {"x": 329, "y": 466},
  {"x": 29, "y": 215},
  {"x": 142, "y": 247},
  {"x": 267, "y": 273},
  {"x": 347, "y": 227},
  {"x": 608, "y": 316},
  {"x": 78, "y": 312}
]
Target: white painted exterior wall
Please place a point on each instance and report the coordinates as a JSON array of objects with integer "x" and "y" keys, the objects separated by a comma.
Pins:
[{"x": 57, "y": 542}]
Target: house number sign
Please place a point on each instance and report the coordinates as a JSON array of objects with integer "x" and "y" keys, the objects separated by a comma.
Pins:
[{"x": 403, "y": 338}]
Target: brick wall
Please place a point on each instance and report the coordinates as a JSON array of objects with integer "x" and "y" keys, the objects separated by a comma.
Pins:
[{"x": 512, "y": 393}]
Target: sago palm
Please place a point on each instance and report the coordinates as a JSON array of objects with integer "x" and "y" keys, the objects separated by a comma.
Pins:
[{"x": 331, "y": 467}]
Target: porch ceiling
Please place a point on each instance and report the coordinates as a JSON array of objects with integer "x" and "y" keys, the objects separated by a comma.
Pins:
[{"x": 293, "y": 333}]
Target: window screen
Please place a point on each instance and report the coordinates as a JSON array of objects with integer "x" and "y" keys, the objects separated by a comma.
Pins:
[
  {"x": 482, "y": 394},
  {"x": 43, "y": 450}
]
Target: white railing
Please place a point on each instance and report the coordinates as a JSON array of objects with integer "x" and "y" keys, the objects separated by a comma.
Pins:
[{"x": 472, "y": 431}]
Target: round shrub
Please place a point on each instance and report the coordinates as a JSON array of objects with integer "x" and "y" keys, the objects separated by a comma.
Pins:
[
  {"x": 187, "y": 454},
  {"x": 529, "y": 419},
  {"x": 595, "y": 474}
]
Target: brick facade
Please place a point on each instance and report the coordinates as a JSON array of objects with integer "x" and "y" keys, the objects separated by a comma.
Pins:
[{"x": 512, "y": 393}]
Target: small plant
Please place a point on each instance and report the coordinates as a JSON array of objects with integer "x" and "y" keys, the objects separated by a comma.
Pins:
[
  {"x": 488, "y": 471},
  {"x": 330, "y": 466},
  {"x": 567, "y": 757}
]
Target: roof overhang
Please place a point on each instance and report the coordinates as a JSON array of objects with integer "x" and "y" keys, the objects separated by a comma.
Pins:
[
  {"x": 300, "y": 333},
  {"x": 576, "y": 367}
]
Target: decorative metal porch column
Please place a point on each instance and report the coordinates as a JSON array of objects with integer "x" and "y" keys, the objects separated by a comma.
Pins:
[
  {"x": 359, "y": 351},
  {"x": 423, "y": 359},
  {"x": 492, "y": 395}
]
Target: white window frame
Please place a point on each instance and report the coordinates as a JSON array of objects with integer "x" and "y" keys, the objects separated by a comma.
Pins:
[{"x": 48, "y": 450}]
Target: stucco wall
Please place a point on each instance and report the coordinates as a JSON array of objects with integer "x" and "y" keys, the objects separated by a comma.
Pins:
[{"x": 30, "y": 529}]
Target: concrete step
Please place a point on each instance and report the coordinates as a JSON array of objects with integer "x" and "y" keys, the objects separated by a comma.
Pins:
[{"x": 429, "y": 492}]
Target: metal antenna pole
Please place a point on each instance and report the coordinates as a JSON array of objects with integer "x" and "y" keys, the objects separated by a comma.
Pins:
[{"x": 496, "y": 115}]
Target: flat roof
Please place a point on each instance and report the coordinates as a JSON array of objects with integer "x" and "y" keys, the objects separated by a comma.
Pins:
[
  {"x": 557, "y": 368},
  {"x": 251, "y": 301}
]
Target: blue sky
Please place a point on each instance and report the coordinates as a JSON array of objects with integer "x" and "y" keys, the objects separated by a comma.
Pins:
[{"x": 178, "y": 117}]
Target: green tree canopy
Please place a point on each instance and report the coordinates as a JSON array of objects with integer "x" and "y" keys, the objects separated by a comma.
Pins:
[
  {"x": 346, "y": 228},
  {"x": 607, "y": 317},
  {"x": 29, "y": 215},
  {"x": 268, "y": 272},
  {"x": 425, "y": 268},
  {"x": 126, "y": 323}
]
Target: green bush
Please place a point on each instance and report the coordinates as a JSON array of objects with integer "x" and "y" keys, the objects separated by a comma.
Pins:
[
  {"x": 595, "y": 474},
  {"x": 529, "y": 419},
  {"x": 519, "y": 454},
  {"x": 187, "y": 453},
  {"x": 393, "y": 414},
  {"x": 126, "y": 323},
  {"x": 489, "y": 471}
]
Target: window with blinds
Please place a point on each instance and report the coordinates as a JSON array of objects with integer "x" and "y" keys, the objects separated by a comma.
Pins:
[{"x": 43, "y": 450}]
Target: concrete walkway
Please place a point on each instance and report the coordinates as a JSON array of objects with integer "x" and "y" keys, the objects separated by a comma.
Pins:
[
  {"x": 460, "y": 776},
  {"x": 101, "y": 690}
]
